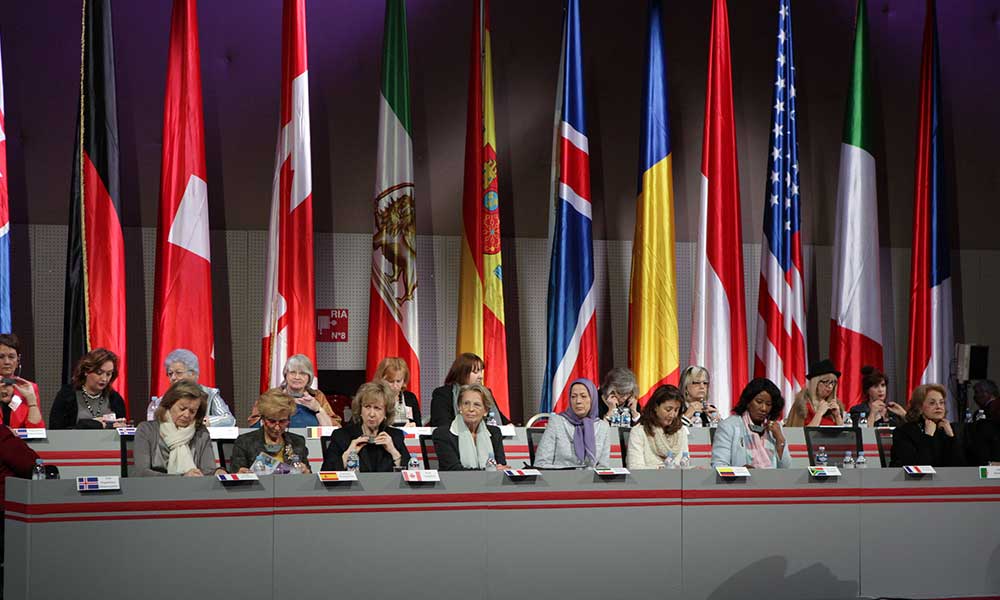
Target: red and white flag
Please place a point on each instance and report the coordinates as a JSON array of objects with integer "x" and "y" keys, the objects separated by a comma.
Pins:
[
  {"x": 719, "y": 326},
  {"x": 182, "y": 314},
  {"x": 289, "y": 287}
]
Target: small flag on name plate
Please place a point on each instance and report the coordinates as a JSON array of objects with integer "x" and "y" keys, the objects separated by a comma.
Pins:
[{"x": 329, "y": 476}]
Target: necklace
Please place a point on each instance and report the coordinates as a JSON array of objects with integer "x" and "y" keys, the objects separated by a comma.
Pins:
[{"x": 88, "y": 398}]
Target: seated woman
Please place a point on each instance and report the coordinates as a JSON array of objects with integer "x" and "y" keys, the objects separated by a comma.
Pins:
[
  {"x": 176, "y": 442},
  {"x": 18, "y": 407},
  {"x": 876, "y": 409},
  {"x": 817, "y": 404},
  {"x": 393, "y": 370},
  {"x": 694, "y": 385},
  {"x": 467, "y": 369},
  {"x": 311, "y": 406},
  {"x": 983, "y": 436},
  {"x": 273, "y": 438},
  {"x": 752, "y": 435},
  {"x": 660, "y": 435},
  {"x": 576, "y": 437},
  {"x": 469, "y": 444},
  {"x": 619, "y": 390},
  {"x": 927, "y": 437},
  {"x": 89, "y": 401},
  {"x": 182, "y": 365},
  {"x": 380, "y": 448}
]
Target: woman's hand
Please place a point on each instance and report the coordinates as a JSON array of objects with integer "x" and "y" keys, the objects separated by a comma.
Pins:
[
  {"x": 309, "y": 402},
  {"x": 712, "y": 412},
  {"x": 823, "y": 406},
  {"x": 243, "y": 470},
  {"x": 896, "y": 409},
  {"x": 194, "y": 473},
  {"x": 357, "y": 444},
  {"x": 385, "y": 440},
  {"x": 693, "y": 407},
  {"x": 502, "y": 467},
  {"x": 779, "y": 435},
  {"x": 930, "y": 427},
  {"x": 946, "y": 427}
]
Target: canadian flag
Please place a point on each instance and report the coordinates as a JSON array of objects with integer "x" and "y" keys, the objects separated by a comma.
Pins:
[
  {"x": 182, "y": 314},
  {"x": 290, "y": 292}
]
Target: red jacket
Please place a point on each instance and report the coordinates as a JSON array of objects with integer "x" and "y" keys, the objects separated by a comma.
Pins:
[{"x": 16, "y": 458}]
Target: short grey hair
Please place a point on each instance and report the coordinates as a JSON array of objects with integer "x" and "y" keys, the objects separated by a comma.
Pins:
[
  {"x": 299, "y": 362},
  {"x": 185, "y": 357},
  {"x": 690, "y": 373},
  {"x": 621, "y": 381}
]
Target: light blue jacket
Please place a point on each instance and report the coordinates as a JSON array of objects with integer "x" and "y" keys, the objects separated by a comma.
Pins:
[{"x": 731, "y": 447}]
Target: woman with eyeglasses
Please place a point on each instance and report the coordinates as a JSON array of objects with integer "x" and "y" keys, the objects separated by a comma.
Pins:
[
  {"x": 182, "y": 365},
  {"x": 817, "y": 404},
  {"x": 89, "y": 401},
  {"x": 273, "y": 438},
  {"x": 311, "y": 406},
  {"x": 379, "y": 447},
  {"x": 619, "y": 391},
  {"x": 694, "y": 386},
  {"x": 18, "y": 397},
  {"x": 927, "y": 438}
]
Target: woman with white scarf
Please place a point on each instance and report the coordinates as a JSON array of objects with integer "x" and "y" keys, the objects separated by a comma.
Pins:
[
  {"x": 469, "y": 444},
  {"x": 176, "y": 442},
  {"x": 660, "y": 437}
]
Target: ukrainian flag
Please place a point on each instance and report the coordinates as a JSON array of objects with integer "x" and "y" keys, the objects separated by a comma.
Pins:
[{"x": 652, "y": 317}]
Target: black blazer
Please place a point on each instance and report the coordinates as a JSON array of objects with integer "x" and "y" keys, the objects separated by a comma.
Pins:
[
  {"x": 248, "y": 445},
  {"x": 982, "y": 443},
  {"x": 890, "y": 420},
  {"x": 911, "y": 446},
  {"x": 446, "y": 448},
  {"x": 443, "y": 406},
  {"x": 64, "y": 410},
  {"x": 373, "y": 459}
]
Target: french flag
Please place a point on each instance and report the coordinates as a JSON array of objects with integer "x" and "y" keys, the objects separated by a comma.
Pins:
[
  {"x": 571, "y": 350},
  {"x": 931, "y": 337}
]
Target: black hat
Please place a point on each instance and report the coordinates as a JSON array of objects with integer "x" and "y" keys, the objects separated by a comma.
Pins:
[{"x": 822, "y": 368}]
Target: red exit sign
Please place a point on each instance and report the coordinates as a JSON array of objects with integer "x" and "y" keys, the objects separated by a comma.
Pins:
[{"x": 331, "y": 325}]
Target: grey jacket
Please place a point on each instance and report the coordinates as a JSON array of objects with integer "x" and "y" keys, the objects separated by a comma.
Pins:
[
  {"x": 555, "y": 449},
  {"x": 149, "y": 453}
]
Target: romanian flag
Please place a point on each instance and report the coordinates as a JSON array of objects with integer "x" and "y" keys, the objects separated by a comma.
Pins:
[
  {"x": 480, "y": 295},
  {"x": 652, "y": 316}
]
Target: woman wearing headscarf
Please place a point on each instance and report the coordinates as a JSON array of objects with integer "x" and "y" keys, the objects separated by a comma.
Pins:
[
  {"x": 577, "y": 436},
  {"x": 176, "y": 442},
  {"x": 752, "y": 436},
  {"x": 469, "y": 444},
  {"x": 660, "y": 435}
]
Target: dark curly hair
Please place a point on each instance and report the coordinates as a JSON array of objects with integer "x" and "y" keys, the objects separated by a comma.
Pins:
[
  {"x": 92, "y": 362},
  {"x": 870, "y": 377},
  {"x": 756, "y": 386}
]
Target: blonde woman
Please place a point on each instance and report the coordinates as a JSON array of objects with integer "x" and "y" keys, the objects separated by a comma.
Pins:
[{"x": 818, "y": 404}]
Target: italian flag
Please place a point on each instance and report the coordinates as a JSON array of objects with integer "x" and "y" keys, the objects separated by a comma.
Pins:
[{"x": 856, "y": 320}]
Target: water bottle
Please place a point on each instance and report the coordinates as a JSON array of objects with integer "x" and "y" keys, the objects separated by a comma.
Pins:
[
  {"x": 668, "y": 462},
  {"x": 38, "y": 471},
  {"x": 968, "y": 416},
  {"x": 685, "y": 460},
  {"x": 821, "y": 457},
  {"x": 414, "y": 464},
  {"x": 626, "y": 418},
  {"x": 847, "y": 420},
  {"x": 980, "y": 415},
  {"x": 862, "y": 462},
  {"x": 616, "y": 418},
  {"x": 848, "y": 460},
  {"x": 696, "y": 419},
  {"x": 491, "y": 419},
  {"x": 491, "y": 462},
  {"x": 353, "y": 463},
  {"x": 400, "y": 418},
  {"x": 863, "y": 420}
]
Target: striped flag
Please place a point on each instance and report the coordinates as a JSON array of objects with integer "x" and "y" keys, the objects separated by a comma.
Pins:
[
  {"x": 571, "y": 348},
  {"x": 289, "y": 283},
  {"x": 652, "y": 316},
  {"x": 94, "y": 307},
  {"x": 480, "y": 294},
  {"x": 392, "y": 314},
  {"x": 780, "y": 352},
  {"x": 856, "y": 320},
  {"x": 5, "y": 321},
  {"x": 931, "y": 338},
  {"x": 719, "y": 330},
  {"x": 182, "y": 312}
]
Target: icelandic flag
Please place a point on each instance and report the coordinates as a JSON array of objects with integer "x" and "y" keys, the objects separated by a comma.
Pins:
[
  {"x": 931, "y": 337},
  {"x": 571, "y": 348}
]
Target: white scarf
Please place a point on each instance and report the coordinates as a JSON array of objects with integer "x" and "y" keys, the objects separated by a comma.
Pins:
[
  {"x": 177, "y": 441},
  {"x": 473, "y": 454},
  {"x": 659, "y": 448}
]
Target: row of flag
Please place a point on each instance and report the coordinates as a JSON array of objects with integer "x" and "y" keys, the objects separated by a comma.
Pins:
[{"x": 95, "y": 287}]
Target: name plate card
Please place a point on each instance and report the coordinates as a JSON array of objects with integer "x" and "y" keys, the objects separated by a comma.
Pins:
[
  {"x": 824, "y": 471},
  {"x": 417, "y": 431},
  {"x": 314, "y": 433},
  {"x": 31, "y": 433},
  {"x": 227, "y": 478},
  {"x": 522, "y": 473},
  {"x": 991, "y": 472},
  {"x": 337, "y": 476},
  {"x": 508, "y": 431},
  {"x": 223, "y": 433},
  {"x": 732, "y": 472},
  {"x": 125, "y": 430},
  {"x": 99, "y": 483},
  {"x": 611, "y": 471},
  {"x": 919, "y": 470},
  {"x": 420, "y": 475}
]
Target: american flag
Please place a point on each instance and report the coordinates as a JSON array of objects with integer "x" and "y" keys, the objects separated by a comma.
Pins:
[{"x": 780, "y": 353}]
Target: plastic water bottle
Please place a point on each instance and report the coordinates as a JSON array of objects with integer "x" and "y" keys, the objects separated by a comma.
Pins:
[
  {"x": 847, "y": 420},
  {"x": 713, "y": 421},
  {"x": 491, "y": 419},
  {"x": 863, "y": 420},
  {"x": 685, "y": 460},
  {"x": 353, "y": 463},
  {"x": 626, "y": 418},
  {"x": 414, "y": 464},
  {"x": 400, "y": 418},
  {"x": 491, "y": 462},
  {"x": 968, "y": 416},
  {"x": 821, "y": 457},
  {"x": 848, "y": 460},
  {"x": 668, "y": 462},
  {"x": 38, "y": 471},
  {"x": 862, "y": 462},
  {"x": 696, "y": 419},
  {"x": 980, "y": 415},
  {"x": 616, "y": 418}
]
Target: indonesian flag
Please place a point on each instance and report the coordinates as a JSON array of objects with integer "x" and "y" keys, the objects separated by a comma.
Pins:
[
  {"x": 289, "y": 286},
  {"x": 931, "y": 337},
  {"x": 480, "y": 293},
  {"x": 392, "y": 313},
  {"x": 182, "y": 309},
  {"x": 856, "y": 327},
  {"x": 94, "y": 307},
  {"x": 719, "y": 330},
  {"x": 5, "y": 324}
]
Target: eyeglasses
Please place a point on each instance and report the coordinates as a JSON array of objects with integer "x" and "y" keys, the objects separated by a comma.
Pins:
[
  {"x": 828, "y": 382},
  {"x": 173, "y": 374},
  {"x": 705, "y": 383},
  {"x": 274, "y": 422}
]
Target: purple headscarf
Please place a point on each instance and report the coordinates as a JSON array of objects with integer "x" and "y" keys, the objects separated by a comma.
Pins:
[{"x": 583, "y": 427}]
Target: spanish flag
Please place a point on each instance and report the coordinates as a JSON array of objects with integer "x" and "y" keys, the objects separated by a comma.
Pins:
[
  {"x": 480, "y": 295},
  {"x": 652, "y": 306}
]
